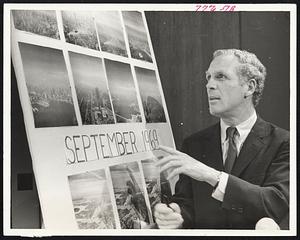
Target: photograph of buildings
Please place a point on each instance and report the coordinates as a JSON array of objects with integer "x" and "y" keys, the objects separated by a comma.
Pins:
[
  {"x": 36, "y": 21},
  {"x": 165, "y": 187},
  {"x": 91, "y": 200},
  {"x": 137, "y": 37},
  {"x": 110, "y": 32},
  {"x": 152, "y": 179},
  {"x": 48, "y": 86},
  {"x": 130, "y": 199},
  {"x": 79, "y": 28},
  {"x": 123, "y": 92},
  {"x": 91, "y": 89},
  {"x": 151, "y": 98}
]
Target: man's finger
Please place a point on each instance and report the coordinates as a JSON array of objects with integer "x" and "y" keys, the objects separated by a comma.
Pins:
[
  {"x": 162, "y": 208},
  {"x": 169, "y": 165},
  {"x": 169, "y": 226},
  {"x": 174, "y": 172},
  {"x": 173, "y": 216},
  {"x": 175, "y": 207},
  {"x": 169, "y": 150},
  {"x": 166, "y": 160},
  {"x": 166, "y": 223}
]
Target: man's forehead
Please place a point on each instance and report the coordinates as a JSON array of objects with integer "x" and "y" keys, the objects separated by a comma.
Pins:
[{"x": 223, "y": 63}]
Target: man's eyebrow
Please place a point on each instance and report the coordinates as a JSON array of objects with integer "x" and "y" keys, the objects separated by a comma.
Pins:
[
  {"x": 217, "y": 72},
  {"x": 220, "y": 71}
]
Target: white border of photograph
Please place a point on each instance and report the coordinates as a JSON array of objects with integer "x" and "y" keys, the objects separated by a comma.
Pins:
[{"x": 58, "y": 44}]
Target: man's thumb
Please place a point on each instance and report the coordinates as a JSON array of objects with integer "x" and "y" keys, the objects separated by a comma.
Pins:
[{"x": 175, "y": 207}]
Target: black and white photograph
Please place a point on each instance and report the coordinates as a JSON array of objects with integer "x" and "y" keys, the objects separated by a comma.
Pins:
[
  {"x": 110, "y": 32},
  {"x": 79, "y": 28},
  {"x": 123, "y": 92},
  {"x": 150, "y": 94},
  {"x": 91, "y": 89},
  {"x": 41, "y": 22},
  {"x": 91, "y": 200},
  {"x": 48, "y": 86},
  {"x": 129, "y": 194},
  {"x": 150, "y": 119},
  {"x": 152, "y": 179},
  {"x": 137, "y": 36}
]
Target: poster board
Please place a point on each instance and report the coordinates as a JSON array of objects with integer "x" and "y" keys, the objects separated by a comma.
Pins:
[{"x": 94, "y": 112}]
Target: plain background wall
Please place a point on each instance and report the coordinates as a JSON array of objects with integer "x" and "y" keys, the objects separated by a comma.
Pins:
[
  {"x": 25, "y": 211},
  {"x": 183, "y": 44}
]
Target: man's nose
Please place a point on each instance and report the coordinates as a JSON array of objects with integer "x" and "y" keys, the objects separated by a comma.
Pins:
[{"x": 211, "y": 84}]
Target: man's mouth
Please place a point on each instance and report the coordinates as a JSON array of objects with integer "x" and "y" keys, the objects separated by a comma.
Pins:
[{"x": 214, "y": 98}]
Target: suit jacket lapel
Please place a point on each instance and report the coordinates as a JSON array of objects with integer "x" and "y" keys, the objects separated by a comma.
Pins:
[
  {"x": 251, "y": 147},
  {"x": 213, "y": 149}
]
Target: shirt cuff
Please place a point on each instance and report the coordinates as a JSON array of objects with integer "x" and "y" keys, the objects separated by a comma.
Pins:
[{"x": 219, "y": 192}]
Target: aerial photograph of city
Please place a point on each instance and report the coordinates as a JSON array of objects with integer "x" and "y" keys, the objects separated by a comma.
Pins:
[
  {"x": 165, "y": 187},
  {"x": 48, "y": 86},
  {"x": 91, "y": 200},
  {"x": 110, "y": 32},
  {"x": 79, "y": 28},
  {"x": 151, "y": 98},
  {"x": 152, "y": 179},
  {"x": 123, "y": 92},
  {"x": 41, "y": 22},
  {"x": 130, "y": 199},
  {"x": 137, "y": 36},
  {"x": 91, "y": 89}
]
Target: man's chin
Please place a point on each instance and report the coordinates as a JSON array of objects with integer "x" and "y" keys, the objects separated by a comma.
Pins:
[{"x": 214, "y": 112}]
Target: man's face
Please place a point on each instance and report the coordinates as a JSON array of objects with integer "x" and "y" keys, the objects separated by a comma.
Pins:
[{"x": 225, "y": 90}]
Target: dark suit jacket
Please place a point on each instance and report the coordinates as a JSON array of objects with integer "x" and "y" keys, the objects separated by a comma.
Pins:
[{"x": 258, "y": 185}]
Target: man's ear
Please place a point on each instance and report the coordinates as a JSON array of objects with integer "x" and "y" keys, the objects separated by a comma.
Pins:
[{"x": 251, "y": 86}]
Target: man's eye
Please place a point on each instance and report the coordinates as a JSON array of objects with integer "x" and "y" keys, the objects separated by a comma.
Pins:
[{"x": 220, "y": 76}]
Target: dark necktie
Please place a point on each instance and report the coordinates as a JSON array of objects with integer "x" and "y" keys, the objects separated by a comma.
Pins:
[{"x": 232, "y": 150}]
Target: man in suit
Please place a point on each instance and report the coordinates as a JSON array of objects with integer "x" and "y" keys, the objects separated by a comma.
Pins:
[{"x": 235, "y": 172}]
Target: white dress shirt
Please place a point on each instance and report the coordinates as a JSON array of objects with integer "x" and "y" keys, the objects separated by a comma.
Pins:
[{"x": 243, "y": 129}]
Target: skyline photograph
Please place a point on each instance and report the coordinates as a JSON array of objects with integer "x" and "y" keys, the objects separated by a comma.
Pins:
[
  {"x": 79, "y": 29},
  {"x": 91, "y": 89},
  {"x": 91, "y": 200},
  {"x": 41, "y": 22},
  {"x": 150, "y": 94},
  {"x": 165, "y": 187},
  {"x": 152, "y": 179},
  {"x": 137, "y": 36},
  {"x": 129, "y": 194},
  {"x": 110, "y": 32},
  {"x": 48, "y": 86},
  {"x": 123, "y": 92}
]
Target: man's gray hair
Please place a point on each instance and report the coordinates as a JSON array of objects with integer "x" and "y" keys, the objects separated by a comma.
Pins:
[{"x": 251, "y": 68}]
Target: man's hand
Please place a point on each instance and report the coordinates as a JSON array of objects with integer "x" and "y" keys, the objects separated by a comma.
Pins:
[
  {"x": 168, "y": 217},
  {"x": 180, "y": 163}
]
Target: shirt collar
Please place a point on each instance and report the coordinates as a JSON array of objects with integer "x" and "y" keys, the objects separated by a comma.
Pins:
[{"x": 243, "y": 128}]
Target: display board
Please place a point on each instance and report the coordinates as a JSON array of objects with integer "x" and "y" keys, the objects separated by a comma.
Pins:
[{"x": 95, "y": 115}]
